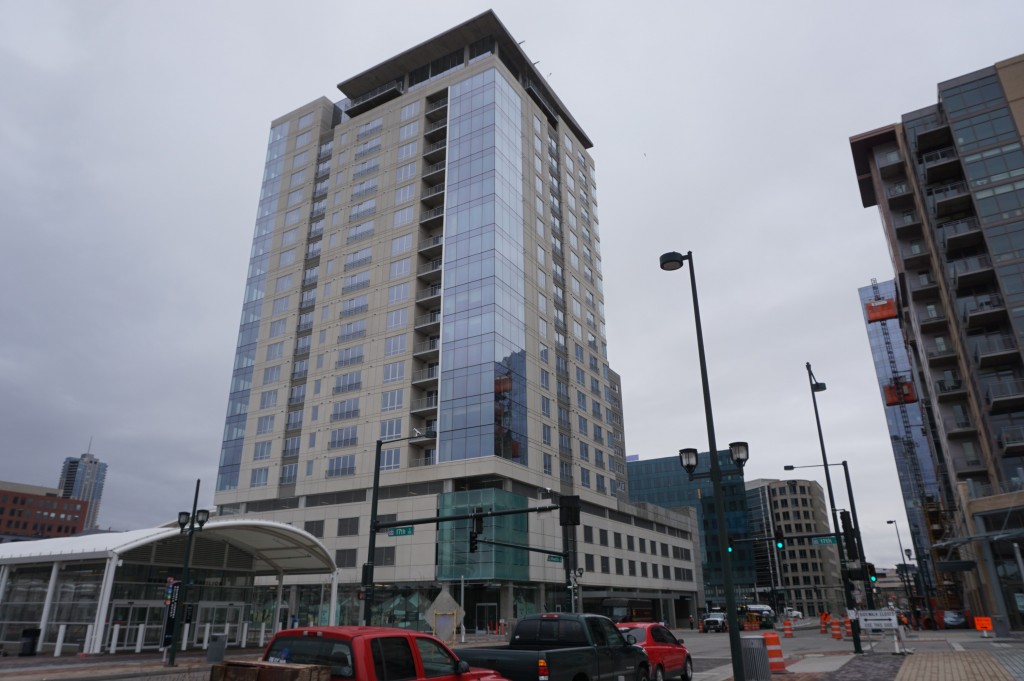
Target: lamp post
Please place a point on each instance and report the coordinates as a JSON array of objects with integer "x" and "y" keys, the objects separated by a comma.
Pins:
[
  {"x": 368, "y": 567},
  {"x": 670, "y": 262},
  {"x": 190, "y": 523},
  {"x": 817, "y": 387},
  {"x": 906, "y": 572},
  {"x": 853, "y": 510}
]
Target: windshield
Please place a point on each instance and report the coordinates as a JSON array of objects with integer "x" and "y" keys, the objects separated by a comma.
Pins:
[
  {"x": 309, "y": 650},
  {"x": 636, "y": 632}
]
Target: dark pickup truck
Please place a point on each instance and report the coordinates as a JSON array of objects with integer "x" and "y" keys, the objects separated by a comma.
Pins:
[{"x": 563, "y": 647}]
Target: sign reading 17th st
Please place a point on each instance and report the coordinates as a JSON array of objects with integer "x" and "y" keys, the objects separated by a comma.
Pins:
[
  {"x": 823, "y": 540},
  {"x": 401, "y": 531}
]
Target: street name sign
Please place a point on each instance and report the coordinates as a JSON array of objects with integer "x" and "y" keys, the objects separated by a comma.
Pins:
[
  {"x": 554, "y": 559},
  {"x": 877, "y": 619},
  {"x": 823, "y": 540},
  {"x": 401, "y": 531}
]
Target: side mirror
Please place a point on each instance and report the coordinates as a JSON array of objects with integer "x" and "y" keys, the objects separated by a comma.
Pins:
[{"x": 462, "y": 667}]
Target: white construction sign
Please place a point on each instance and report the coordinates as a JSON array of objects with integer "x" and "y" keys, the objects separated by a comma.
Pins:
[{"x": 877, "y": 619}]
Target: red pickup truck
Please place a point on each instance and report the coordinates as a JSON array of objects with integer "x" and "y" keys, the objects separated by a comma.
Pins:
[{"x": 373, "y": 654}]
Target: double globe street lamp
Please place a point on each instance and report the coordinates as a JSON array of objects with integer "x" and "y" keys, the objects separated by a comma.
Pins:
[
  {"x": 189, "y": 523},
  {"x": 688, "y": 459}
]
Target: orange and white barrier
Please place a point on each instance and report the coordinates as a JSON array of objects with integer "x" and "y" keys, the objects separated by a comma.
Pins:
[
  {"x": 787, "y": 629},
  {"x": 824, "y": 626},
  {"x": 837, "y": 631},
  {"x": 847, "y": 627},
  {"x": 775, "y": 660}
]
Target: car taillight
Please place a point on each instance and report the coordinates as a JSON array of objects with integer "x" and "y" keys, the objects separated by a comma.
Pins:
[{"x": 542, "y": 670}]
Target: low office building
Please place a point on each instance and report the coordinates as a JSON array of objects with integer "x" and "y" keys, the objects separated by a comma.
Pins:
[{"x": 35, "y": 512}]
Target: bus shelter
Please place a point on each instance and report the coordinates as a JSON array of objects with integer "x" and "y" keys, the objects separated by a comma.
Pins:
[{"x": 108, "y": 591}]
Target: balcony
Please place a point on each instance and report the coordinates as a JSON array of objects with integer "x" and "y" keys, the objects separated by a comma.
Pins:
[
  {"x": 1011, "y": 439},
  {"x": 437, "y": 109},
  {"x": 300, "y": 374},
  {"x": 923, "y": 287},
  {"x": 297, "y": 400},
  {"x": 347, "y": 387},
  {"x": 916, "y": 256},
  {"x": 428, "y": 323},
  {"x": 344, "y": 415},
  {"x": 307, "y": 303},
  {"x": 995, "y": 350},
  {"x": 433, "y": 153},
  {"x": 961, "y": 233},
  {"x": 900, "y": 195},
  {"x": 423, "y": 404},
  {"x": 907, "y": 224},
  {"x": 375, "y": 97},
  {"x": 965, "y": 466},
  {"x": 349, "y": 361},
  {"x": 431, "y": 217},
  {"x": 359, "y": 262},
  {"x": 425, "y": 436},
  {"x": 890, "y": 165},
  {"x": 427, "y": 349},
  {"x": 426, "y": 377},
  {"x": 434, "y": 172},
  {"x": 436, "y": 130},
  {"x": 1005, "y": 395},
  {"x": 935, "y": 321},
  {"x": 941, "y": 165},
  {"x": 934, "y": 137},
  {"x": 304, "y": 326},
  {"x": 953, "y": 389},
  {"x": 432, "y": 246},
  {"x": 958, "y": 427},
  {"x": 433, "y": 196},
  {"x": 351, "y": 335},
  {"x": 429, "y": 297},
  {"x": 971, "y": 272},
  {"x": 984, "y": 310},
  {"x": 949, "y": 199},
  {"x": 941, "y": 356},
  {"x": 431, "y": 271},
  {"x": 325, "y": 151}
]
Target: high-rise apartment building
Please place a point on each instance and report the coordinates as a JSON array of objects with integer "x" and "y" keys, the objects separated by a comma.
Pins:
[
  {"x": 804, "y": 575},
  {"x": 948, "y": 181},
  {"x": 83, "y": 477},
  {"x": 663, "y": 481},
  {"x": 425, "y": 279}
]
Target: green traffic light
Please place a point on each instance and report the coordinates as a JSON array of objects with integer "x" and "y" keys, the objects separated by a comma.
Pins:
[
  {"x": 779, "y": 545},
  {"x": 730, "y": 549},
  {"x": 874, "y": 578}
]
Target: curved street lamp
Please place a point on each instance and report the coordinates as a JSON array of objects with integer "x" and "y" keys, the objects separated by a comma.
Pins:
[
  {"x": 189, "y": 523},
  {"x": 670, "y": 262}
]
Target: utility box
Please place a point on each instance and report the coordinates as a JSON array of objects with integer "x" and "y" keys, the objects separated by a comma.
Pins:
[
  {"x": 217, "y": 647},
  {"x": 755, "y": 659}
]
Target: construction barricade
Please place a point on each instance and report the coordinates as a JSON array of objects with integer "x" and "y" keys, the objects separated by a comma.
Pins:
[
  {"x": 775, "y": 660},
  {"x": 837, "y": 630},
  {"x": 847, "y": 627},
  {"x": 787, "y": 629}
]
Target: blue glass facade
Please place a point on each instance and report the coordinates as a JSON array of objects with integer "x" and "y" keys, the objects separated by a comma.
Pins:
[
  {"x": 483, "y": 381},
  {"x": 664, "y": 482},
  {"x": 249, "y": 326}
]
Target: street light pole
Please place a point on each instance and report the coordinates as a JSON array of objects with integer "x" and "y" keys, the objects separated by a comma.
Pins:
[
  {"x": 906, "y": 572},
  {"x": 368, "y": 566},
  {"x": 817, "y": 387},
  {"x": 669, "y": 262},
  {"x": 190, "y": 523}
]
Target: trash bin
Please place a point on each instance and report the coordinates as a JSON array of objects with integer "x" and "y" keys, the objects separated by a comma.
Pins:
[
  {"x": 755, "y": 659},
  {"x": 29, "y": 641},
  {"x": 215, "y": 650}
]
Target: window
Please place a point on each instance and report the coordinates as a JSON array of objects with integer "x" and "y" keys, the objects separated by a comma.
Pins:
[
  {"x": 394, "y": 345},
  {"x": 391, "y": 459},
  {"x": 261, "y": 450},
  {"x": 280, "y": 305},
  {"x": 391, "y": 429},
  {"x": 348, "y": 527},
  {"x": 407, "y": 151},
  {"x": 346, "y": 409},
  {"x": 400, "y": 268},
  {"x": 405, "y": 172},
  {"x": 272, "y": 374},
  {"x": 264, "y": 424},
  {"x": 342, "y": 465},
  {"x": 408, "y": 130},
  {"x": 398, "y": 293},
  {"x": 396, "y": 319},
  {"x": 545, "y": 406},
  {"x": 345, "y": 558},
  {"x": 289, "y": 473},
  {"x": 258, "y": 477},
  {"x": 348, "y": 382},
  {"x": 403, "y": 216},
  {"x": 401, "y": 244},
  {"x": 405, "y": 193},
  {"x": 394, "y": 372},
  {"x": 409, "y": 110},
  {"x": 268, "y": 398},
  {"x": 391, "y": 400}
]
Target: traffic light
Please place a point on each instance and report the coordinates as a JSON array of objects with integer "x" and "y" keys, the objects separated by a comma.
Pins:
[
  {"x": 870, "y": 567},
  {"x": 569, "y": 511},
  {"x": 780, "y": 538},
  {"x": 473, "y": 543},
  {"x": 849, "y": 537},
  {"x": 729, "y": 546},
  {"x": 478, "y": 520}
]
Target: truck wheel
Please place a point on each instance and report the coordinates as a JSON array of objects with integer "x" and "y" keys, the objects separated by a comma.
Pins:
[{"x": 688, "y": 670}]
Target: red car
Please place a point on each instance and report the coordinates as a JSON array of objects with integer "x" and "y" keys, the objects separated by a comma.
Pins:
[
  {"x": 669, "y": 657},
  {"x": 373, "y": 654}
]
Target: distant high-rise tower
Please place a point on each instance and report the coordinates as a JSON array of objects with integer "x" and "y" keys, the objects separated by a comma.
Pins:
[
  {"x": 83, "y": 478},
  {"x": 948, "y": 181}
]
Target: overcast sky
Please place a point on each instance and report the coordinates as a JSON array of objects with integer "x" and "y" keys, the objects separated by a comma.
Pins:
[{"x": 132, "y": 141}]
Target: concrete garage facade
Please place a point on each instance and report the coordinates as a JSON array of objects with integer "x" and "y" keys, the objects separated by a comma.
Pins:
[{"x": 96, "y": 592}]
